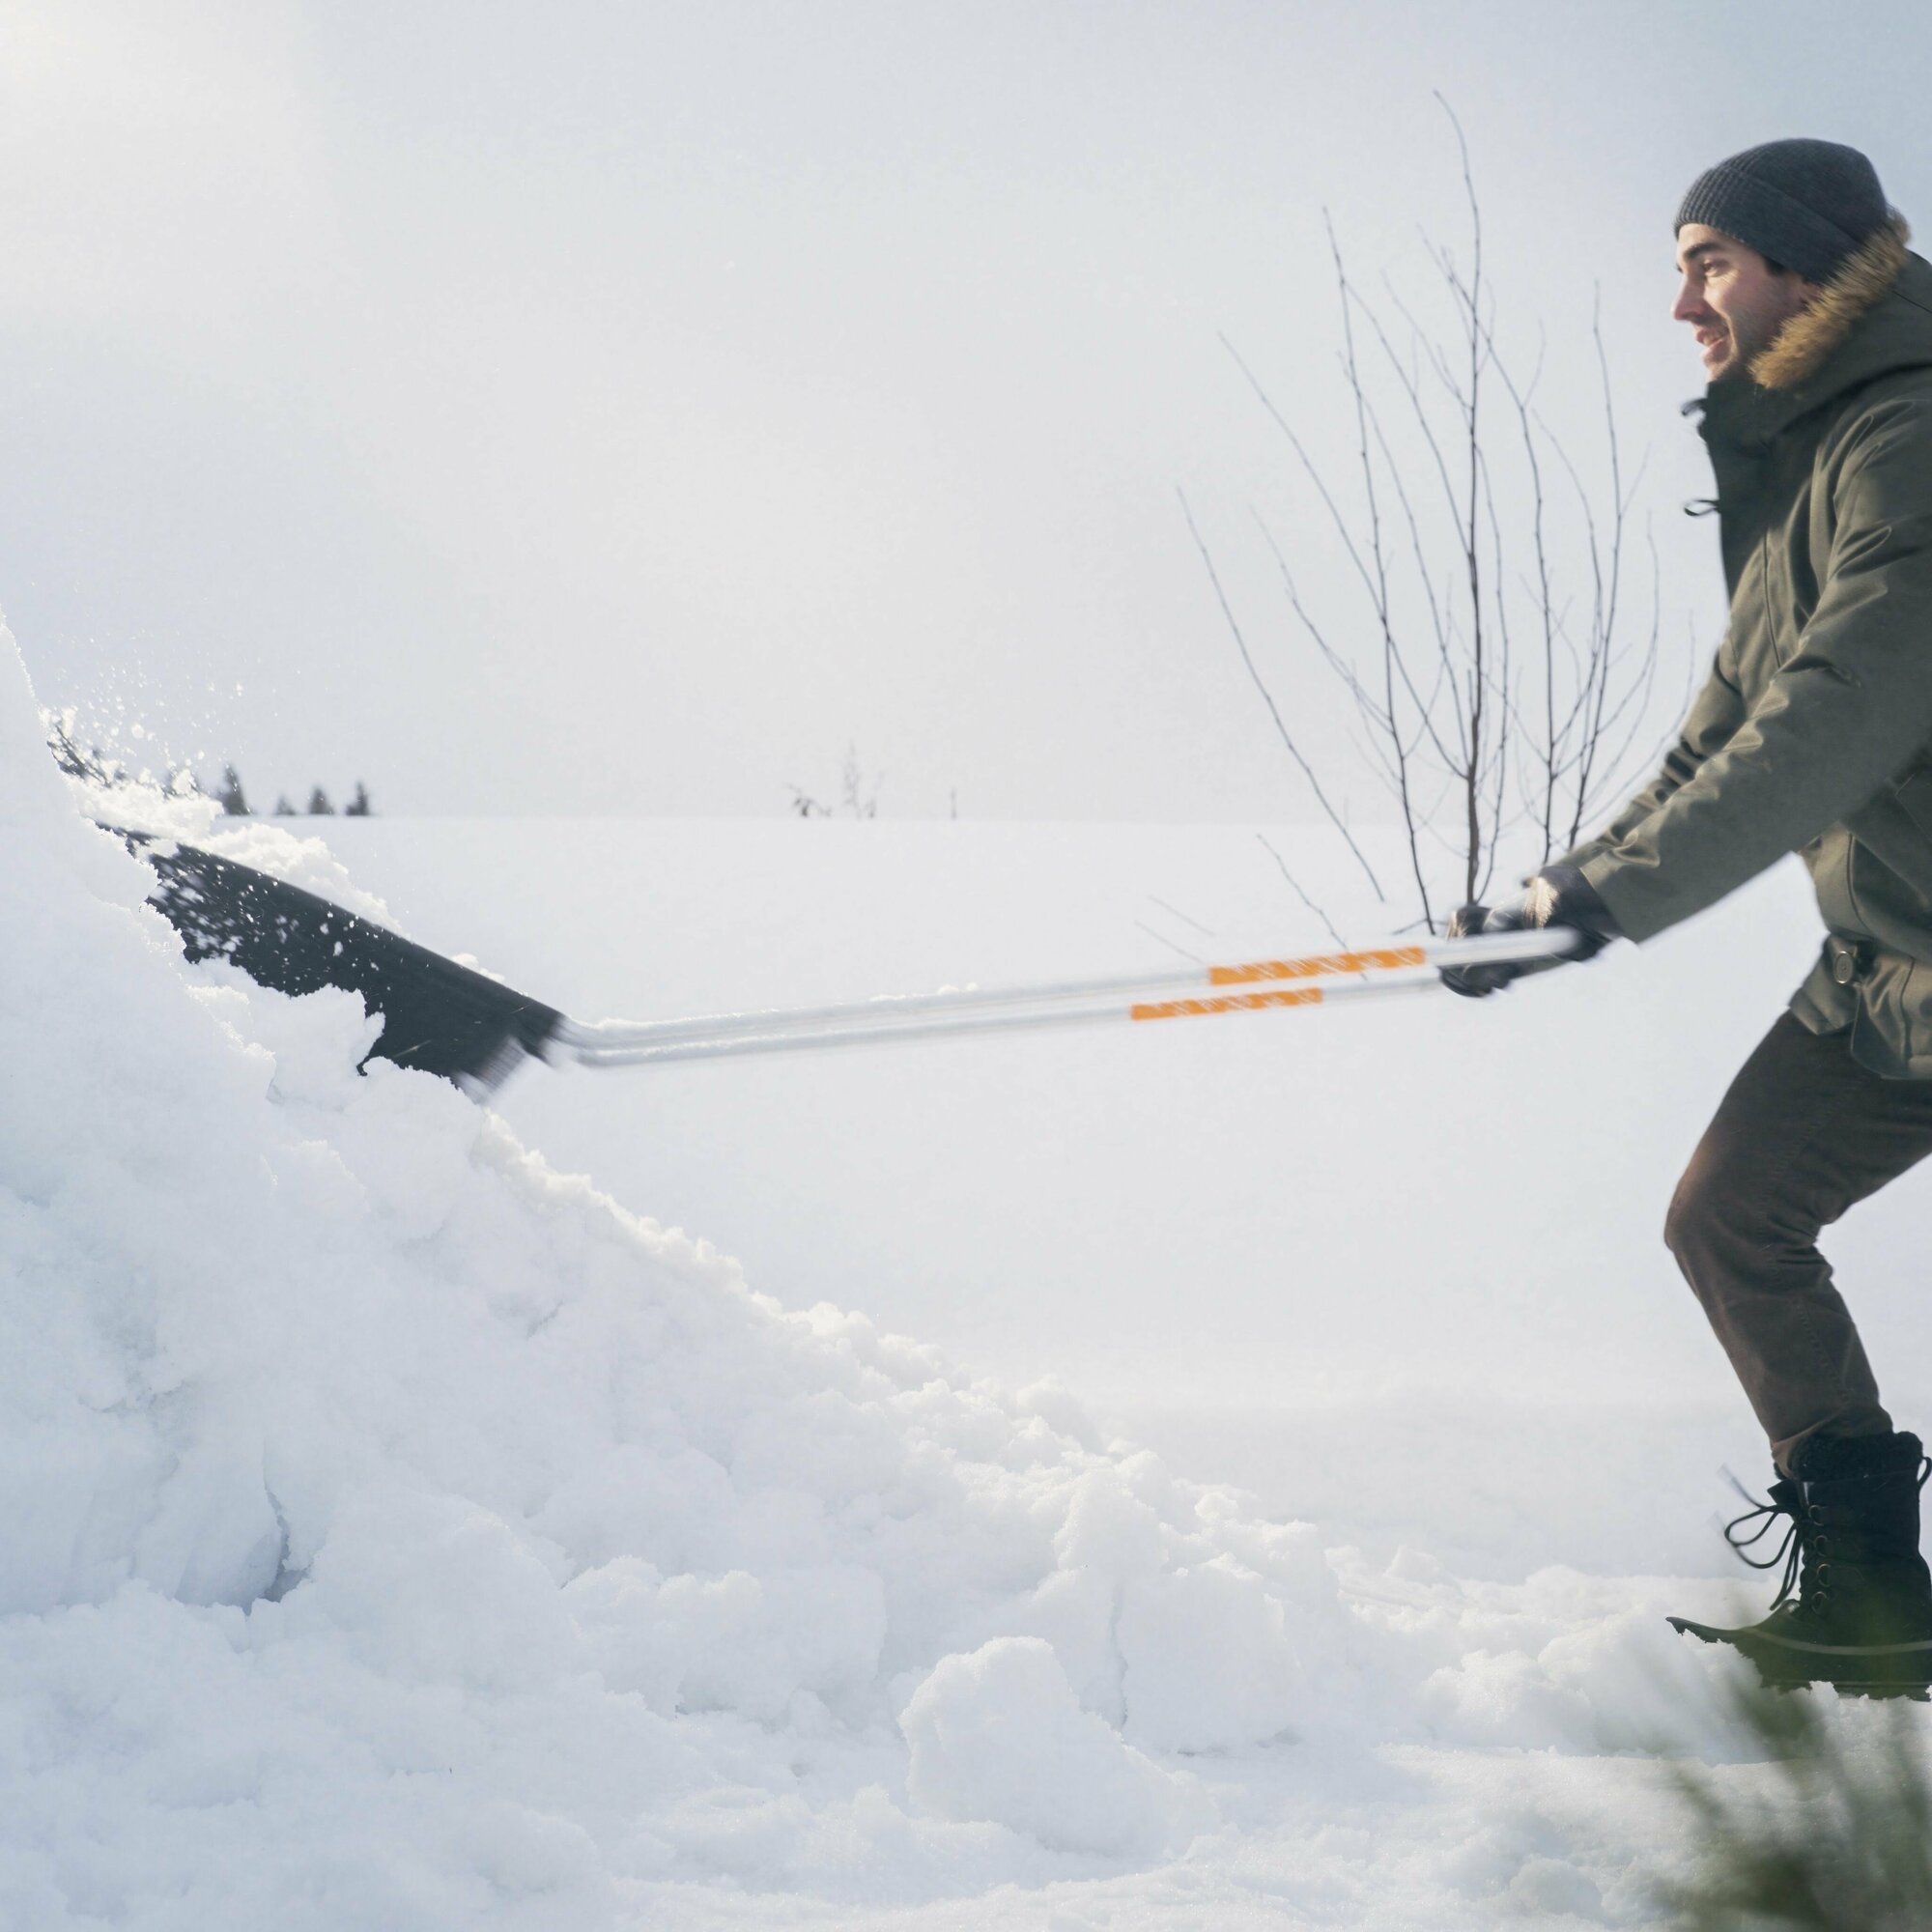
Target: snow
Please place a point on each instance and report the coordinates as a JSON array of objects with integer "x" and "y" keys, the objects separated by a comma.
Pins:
[
  {"x": 1001, "y": 1736},
  {"x": 404, "y": 1533},
  {"x": 1400, "y": 1269}
]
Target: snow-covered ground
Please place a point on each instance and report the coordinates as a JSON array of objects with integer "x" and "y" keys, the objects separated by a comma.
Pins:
[
  {"x": 1399, "y": 1270},
  {"x": 1271, "y": 1521}
]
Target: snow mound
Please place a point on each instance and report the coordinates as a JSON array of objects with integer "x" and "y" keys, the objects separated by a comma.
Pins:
[{"x": 403, "y": 1533}]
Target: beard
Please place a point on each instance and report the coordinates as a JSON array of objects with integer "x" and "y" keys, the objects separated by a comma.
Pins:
[
  {"x": 1754, "y": 329},
  {"x": 1743, "y": 345}
]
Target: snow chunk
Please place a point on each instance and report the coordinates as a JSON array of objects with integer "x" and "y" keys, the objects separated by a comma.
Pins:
[
  {"x": 998, "y": 1737},
  {"x": 1208, "y": 1666}
]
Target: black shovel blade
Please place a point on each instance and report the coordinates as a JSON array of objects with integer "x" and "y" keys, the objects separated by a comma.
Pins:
[{"x": 438, "y": 1017}]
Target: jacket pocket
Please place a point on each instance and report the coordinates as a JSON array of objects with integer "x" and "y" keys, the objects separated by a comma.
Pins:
[{"x": 1893, "y": 1033}]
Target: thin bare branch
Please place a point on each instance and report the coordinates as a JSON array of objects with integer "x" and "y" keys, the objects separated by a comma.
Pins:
[
  {"x": 1267, "y": 697},
  {"x": 1173, "y": 945},
  {"x": 1300, "y": 891}
]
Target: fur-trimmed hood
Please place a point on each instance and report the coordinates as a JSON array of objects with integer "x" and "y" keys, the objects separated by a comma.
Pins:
[{"x": 1866, "y": 276}]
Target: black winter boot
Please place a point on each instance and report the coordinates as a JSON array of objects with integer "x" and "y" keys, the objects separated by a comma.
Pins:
[{"x": 1862, "y": 1615}]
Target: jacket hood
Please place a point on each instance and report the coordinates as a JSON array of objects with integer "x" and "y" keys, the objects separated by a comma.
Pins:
[
  {"x": 1801, "y": 349},
  {"x": 1875, "y": 316}
]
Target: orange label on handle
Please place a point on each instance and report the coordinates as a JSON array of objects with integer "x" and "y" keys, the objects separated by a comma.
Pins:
[
  {"x": 1225, "y": 1003},
  {"x": 1377, "y": 960}
]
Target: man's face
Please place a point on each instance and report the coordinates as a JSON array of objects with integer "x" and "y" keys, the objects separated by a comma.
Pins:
[{"x": 1731, "y": 296}]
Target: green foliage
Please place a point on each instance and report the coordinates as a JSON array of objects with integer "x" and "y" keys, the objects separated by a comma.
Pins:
[{"x": 1841, "y": 1840}]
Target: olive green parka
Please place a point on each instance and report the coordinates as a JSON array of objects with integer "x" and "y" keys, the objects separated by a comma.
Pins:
[{"x": 1813, "y": 733}]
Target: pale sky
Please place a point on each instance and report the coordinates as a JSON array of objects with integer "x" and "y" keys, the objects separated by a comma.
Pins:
[{"x": 625, "y": 407}]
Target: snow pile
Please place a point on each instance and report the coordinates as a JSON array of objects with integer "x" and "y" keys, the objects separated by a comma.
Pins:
[{"x": 401, "y": 1533}]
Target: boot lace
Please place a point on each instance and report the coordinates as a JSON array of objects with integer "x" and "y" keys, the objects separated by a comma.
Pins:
[
  {"x": 1806, "y": 1547},
  {"x": 1802, "y": 1536}
]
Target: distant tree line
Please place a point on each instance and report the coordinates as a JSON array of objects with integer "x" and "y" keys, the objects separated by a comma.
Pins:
[
  {"x": 98, "y": 768},
  {"x": 234, "y": 801}
]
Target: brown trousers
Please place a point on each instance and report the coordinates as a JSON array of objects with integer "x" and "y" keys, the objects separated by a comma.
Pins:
[{"x": 1803, "y": 1134}]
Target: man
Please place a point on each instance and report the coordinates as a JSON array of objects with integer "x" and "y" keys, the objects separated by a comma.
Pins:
[{"x": 1814, "y": 735}]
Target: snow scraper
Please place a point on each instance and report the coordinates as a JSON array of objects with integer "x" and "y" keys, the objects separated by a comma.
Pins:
[
  {"x": 437, "y": 1016},
  {"x": 454, "y": 1021}
]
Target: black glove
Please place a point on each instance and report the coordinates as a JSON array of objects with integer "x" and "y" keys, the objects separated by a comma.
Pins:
[{"x": 1557, "y": 896}]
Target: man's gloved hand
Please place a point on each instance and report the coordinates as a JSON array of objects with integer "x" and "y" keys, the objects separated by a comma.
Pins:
[{"x": 1557, "y": 896}]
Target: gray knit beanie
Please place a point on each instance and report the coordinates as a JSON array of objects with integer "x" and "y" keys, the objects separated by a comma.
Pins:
[{"x": 1805, "y": 204}]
